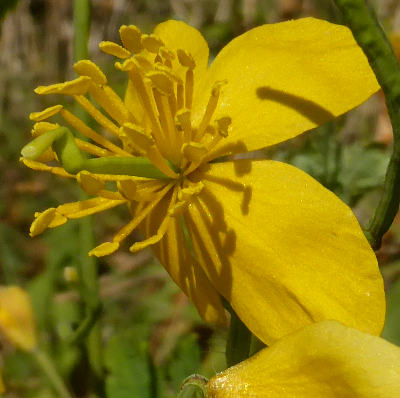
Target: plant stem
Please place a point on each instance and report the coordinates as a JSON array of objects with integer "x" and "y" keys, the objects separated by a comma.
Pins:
[
  {"x": 87, "y": 269},
  {"x": 48, "y": 367},
  {"x": 239, "y": 341},
  {"x": 368, "y": 33},
  {"x": 81, "y": 29}
]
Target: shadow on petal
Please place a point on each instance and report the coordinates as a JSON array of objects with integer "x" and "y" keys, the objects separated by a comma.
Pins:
[{"x": 311, "y": 110}]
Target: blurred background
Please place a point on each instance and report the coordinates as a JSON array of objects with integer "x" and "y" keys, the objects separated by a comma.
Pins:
[{"x": 152, "y": 336}]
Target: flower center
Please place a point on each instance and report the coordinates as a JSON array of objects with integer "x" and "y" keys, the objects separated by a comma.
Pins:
[
  {"x": 155, "y": 126},
  {"x": 163, "y": 82}
]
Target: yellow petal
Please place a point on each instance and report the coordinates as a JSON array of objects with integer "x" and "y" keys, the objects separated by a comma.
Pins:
[
  {"x": 323, "y": 360},
  {"x": 174, "y": 255},
  {"x": 16, "y": 318},
  {"x": 179, "y": 35},
  {"x": 284, "y": 79},
  {"x": 283, "y": 250}
]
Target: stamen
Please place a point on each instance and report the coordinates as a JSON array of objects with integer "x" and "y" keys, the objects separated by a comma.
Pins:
[
  {"x": 96, "y": 114},
  {"x": 189, "y": 89},
  {"x": 109, "y": 247},
  {"x": 183, "y": 117},
  {"x": 89, "y": 183},
  {"x": 131, "y": 38},
  {"x": 168, "y": 125},
  {"x": 152, "y": 43},
  {"x": 127, "y": 188},
  {"x": 144, "y": 97},
  {"x": 87, "y": 207},
  {"x": 88, "y": 132},
  {"x": 40, "y": 128},
  {"x": 45, "y": 113},
  {"x": 211, "y": 107},
  {"x": 220, "y": 131},
  {"x": 138, "y": 135},
  {"x": 107, "y": 98},
  {"x": 167, "y": 54},
  {"x": 47, "y": 219},
  {"x": 92, "y": 149},
  {"x": 186, "y": 59},
  {"x": 184, "y": 198},
  {"x": 158, "y": 160},
  {"x": 139, "y": 190},
  {"x": 194, "y": 151},
  {"x": 114, "y": 49},
  {"x": 77, "y": 86},
  {"x": 180, "y": 90},
  {"x": 162, "y": 229},
  {"x": 38, "y": 166},
  {"x": 88, "y": 68}
]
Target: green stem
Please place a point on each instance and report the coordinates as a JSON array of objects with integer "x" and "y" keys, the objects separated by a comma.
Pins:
[
  {"x": 238, "y": 342},
  {"x": 81, "y": 29},
  {"x": 368, "y": 33},
  {"x": 49, "y": 369},
  {"x": 87, "y": 267}
]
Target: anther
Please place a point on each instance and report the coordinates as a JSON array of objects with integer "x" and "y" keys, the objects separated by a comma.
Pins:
[
  {"x": 77, "y": 86},
  {"x": 210, "y": 109},
  {"x": 131, "y": 38},
  {"x": 162, "y": 82},
  {"x": 186, "y": 59},
  {"x": 194, "y": 151},
  {"x": 46, "y": 113},
  {"x": 151, "y": 43},
  {"x": 167, "y": 54},
  {"x": 138, "y": 135},
  {"x": 89, "y": 183},
  {"x": 127, "y": 188},
  {"x": 114, "y": 49},
  {"x": 183, "y": 117},
  {"x": 88, "y": 68}
]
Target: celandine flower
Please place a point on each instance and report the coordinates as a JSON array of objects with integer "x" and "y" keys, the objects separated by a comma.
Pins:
[
  {"x": 282, "y": 249},
  {"x": 323, "y": 360}
]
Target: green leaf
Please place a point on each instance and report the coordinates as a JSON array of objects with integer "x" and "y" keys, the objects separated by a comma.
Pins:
[
  {"x": 128, "y": 363},
  {"x": 362, "y": 169},
  {"x": 185, "y": 360}
]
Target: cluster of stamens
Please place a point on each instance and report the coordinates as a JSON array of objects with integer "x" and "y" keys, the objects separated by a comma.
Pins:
[{"x": 159, "y": 127}]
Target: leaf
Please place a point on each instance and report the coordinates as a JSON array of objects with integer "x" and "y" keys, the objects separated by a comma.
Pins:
[
  {"x": 128, "y": 363},
  {"x": 185, "y": 360},
  {"x": 362, "y": 169}
]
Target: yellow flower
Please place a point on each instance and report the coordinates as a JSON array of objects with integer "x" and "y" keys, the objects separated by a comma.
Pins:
[
  {"x": 282, "y": 249},
  {"x": 323, "y": 360},
  {"x": 16, "y": 318}
]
